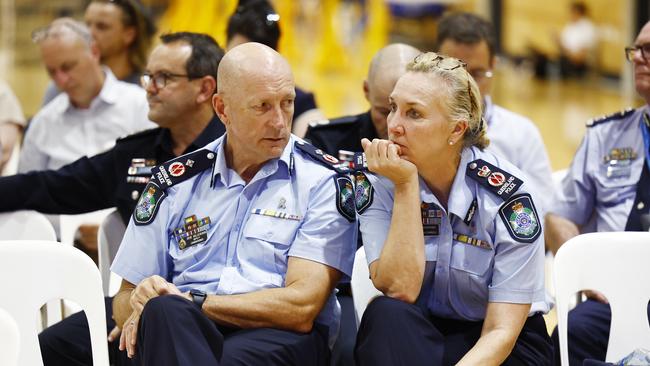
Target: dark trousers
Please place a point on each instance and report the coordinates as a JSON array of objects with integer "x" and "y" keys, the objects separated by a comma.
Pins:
[
  {"x": 393, "y": 332},
  {"x": 343, "y": 351},
  {"x": 173, "y": 331},
  {"x": 587, "y": 333}
]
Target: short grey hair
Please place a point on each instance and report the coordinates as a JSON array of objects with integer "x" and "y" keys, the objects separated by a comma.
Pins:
[{"x": 61, "y": 26}]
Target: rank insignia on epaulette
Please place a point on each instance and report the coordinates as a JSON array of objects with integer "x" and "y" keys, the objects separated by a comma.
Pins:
[
  {"x": 496, "y": 180},
  {"x": 363, "y": 192},
  {"x": 610, "y": 117},
  {"x": 192, "y": 232},
  {"x": 345, "y": 197},
  {"x": 520, "y": 218},
  {"x": 147, "y": 207}
]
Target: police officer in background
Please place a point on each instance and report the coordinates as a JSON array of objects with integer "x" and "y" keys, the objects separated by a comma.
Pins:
[
  {"x": 472, "y": 39},
  {"x": 180, "y": 80},
  {"x": 240, "y": 250},
  {"x": 607, "y": 188},
  {"x": 345, "y": 133}
]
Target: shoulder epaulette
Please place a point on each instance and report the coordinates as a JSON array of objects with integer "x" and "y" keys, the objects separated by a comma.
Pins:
[
  {"x": 182, "y": 168},
  {"x": 166, "y": 175},
  {"x": 324, "y": 123},
  {"x": 496, "y": 180},
  {"x": 139, "y": 135},
  {"x": 610, "y": 117},
  {"x": 341, "y": 167}
]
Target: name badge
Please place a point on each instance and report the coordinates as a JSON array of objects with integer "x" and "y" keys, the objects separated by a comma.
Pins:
[
  {"x": 431, "y": 219},
  {"x": 618, "y": 169},
  {"x": 192, "y": 232}
]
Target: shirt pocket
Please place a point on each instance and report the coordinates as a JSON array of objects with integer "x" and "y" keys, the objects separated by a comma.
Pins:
[
  {"x": 470, "y": 271},
  {"x": 268, "y": 240},
  {"x": 615, "y": 189}
]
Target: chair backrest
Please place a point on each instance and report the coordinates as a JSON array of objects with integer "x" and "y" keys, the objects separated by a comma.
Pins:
[
  {"x": 109, "y": 238},
  {"x": 557, "y": 177},
  {"x": 70, "y": 223},
  {"x": 25, "y": 225},
  {"x": 363, "y": 291},
  {"x": 9, "y": 340},
  {"x": 615, "y": 264},
  {"x": 34, "y": 272}
]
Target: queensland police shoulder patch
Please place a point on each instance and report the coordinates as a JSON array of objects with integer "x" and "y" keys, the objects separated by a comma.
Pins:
[
  {"x": 363, "y": 192},
  {"x": 496, "y": 180},
  {"x": 148, "y": 204},
  {"x": 345, "y": 197},
  {"x": 520, "y": 217}
]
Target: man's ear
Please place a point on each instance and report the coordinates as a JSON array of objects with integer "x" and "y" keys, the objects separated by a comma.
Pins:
[
  {"x": 208, "y": 88},
  {"x": 220, "y": 108},
  {"x": 366, "y": 90}
]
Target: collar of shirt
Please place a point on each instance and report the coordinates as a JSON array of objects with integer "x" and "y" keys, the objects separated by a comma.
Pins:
[
  {"x": 107, "y": 95},
  {"x": 460, "y": 196},
  {"x": 212, "y": 131},
  {"x": 228, "y": 177},
  {"x": 488, "y": 109}
]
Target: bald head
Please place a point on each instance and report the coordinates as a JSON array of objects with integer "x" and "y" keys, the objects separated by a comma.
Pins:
[
  {"x": 250, "y": 60},
  {"x": 388, "y": 65}
]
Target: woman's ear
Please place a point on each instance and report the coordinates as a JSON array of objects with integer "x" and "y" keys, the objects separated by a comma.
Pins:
[{"x": 457, "y": 132}]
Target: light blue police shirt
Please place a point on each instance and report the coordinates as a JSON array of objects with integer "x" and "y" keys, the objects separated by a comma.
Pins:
[
  {"x": 461, "y": 277},
  {"x": 600, "y": 186},
  {"x": 287, "y": 210},
  {"x": 517, "y": 139}
]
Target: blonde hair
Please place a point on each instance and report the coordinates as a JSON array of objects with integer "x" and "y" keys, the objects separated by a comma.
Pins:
[{"x": 463, "y": 102}]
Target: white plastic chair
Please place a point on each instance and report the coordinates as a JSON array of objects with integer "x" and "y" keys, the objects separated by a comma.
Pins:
[
  {"x": 25, "y": 225},
  {"x": 363, "y": 291},
  {"x": 31, "y": 225},
  {"x": 9, "y": 340},
  {"x": 34, "y": 272},
  {"x": 557, "y": 177},
  {"x": 109, "y": 238},
  {"x": 615, "y": 264},
  {"x": 70, "y": 223}
]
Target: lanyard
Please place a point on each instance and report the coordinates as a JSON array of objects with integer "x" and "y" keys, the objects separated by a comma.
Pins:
[{"x": 645, "y": 130}]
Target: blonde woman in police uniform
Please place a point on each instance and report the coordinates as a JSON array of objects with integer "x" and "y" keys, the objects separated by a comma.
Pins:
[{"x": 451, "y": 234}]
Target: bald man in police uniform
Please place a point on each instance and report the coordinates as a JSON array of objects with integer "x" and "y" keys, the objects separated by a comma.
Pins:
[
  {"x": 241, "y": 250},
  {"x": 179, "y": 105},
  {"x": 607, "y": 188},
  {"x": 345, "y": 133}
]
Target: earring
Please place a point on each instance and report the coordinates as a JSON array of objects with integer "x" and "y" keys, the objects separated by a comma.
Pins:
[{"x": 450, "y": 142}]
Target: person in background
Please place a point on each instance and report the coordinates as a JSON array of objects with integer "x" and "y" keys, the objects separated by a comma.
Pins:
[
  {"x": 122, "y": 30},
  {"x": 92, "y": 112},
  {"x": 512, "y": 136},
  {"x": 257, "y": 21},
  {"x": 12, "y": 123},
  {"x": 607, "y": 188}
]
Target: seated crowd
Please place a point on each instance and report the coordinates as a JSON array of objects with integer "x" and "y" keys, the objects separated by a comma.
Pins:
[{"x": 245, "y": 206}]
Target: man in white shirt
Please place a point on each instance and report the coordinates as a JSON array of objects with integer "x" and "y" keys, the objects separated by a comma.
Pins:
[
  {"x": 92, "y": 112},
  {"x": 512, "y": 136},
  {"x": 12, "y": 122}
]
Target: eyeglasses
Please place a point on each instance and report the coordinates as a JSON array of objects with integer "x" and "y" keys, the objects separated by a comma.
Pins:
[
  {"x": 481, "y": 74},
  {"x": 159, "y": 79},
  {"x": 630, "y": 52}
]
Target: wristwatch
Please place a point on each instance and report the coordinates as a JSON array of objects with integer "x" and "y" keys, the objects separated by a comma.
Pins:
[{"x": 198, "y": 297}]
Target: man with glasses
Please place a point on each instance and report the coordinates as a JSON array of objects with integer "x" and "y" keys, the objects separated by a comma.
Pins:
[
  {"x": 607, "y": 188},
  {"x": 514, "y": 137},
  {"x": 180, "y": 80},
  {"x": 93, "y": 110}
]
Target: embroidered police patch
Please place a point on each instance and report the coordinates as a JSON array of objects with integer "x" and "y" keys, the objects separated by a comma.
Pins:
[
  {"x": 363, "y": 192},
  {"x": 345, "y": 197},
  {"x": 147, "y": 207},
  {"x": 520, "y": 217}
]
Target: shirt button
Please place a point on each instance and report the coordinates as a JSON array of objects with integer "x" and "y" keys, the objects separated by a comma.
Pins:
[
  {"x": 640, "y": 206},
  {"x": 135, "y": 195}
]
